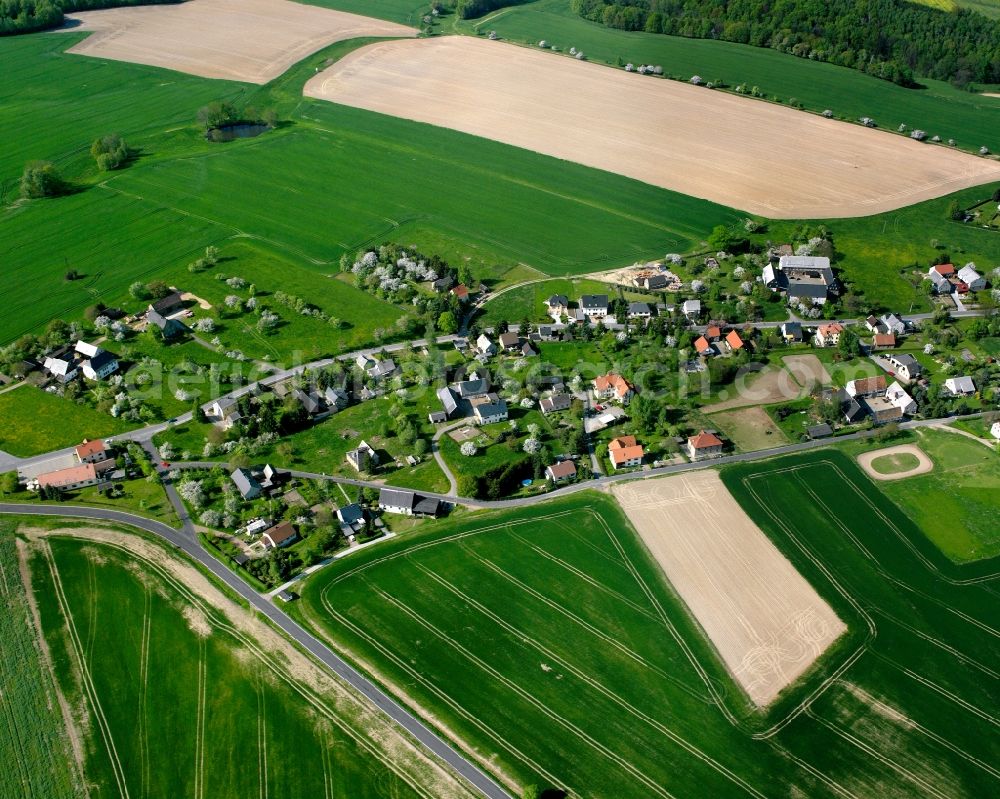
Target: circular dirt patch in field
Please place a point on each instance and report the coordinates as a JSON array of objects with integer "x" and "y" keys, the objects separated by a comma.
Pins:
[{"x": 895, "y": 463}]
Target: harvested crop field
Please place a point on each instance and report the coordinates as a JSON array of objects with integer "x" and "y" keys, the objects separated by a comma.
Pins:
[
  {"x": 750, "y": 429},
  {"x": 808, "y": 370},
  {"x": 247, "y": 40},
  {"x": 744, "y": 153},
  {"x": 891, "y": 463},
  {"x": 766, "y": 386},
  {"x": 766, "y": 621}
]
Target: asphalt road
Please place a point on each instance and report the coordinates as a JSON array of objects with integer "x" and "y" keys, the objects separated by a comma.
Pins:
[{"x": 186, "y": 540}]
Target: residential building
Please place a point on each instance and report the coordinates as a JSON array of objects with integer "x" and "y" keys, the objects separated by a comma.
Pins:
[
  {"x": 556, "y": 403},
  {"x": 271, "y": 479},
  {"x": 527, "y": 351},
  {"x": 625, "y": 452},
  {"x": 594, "y": 306},
  {"x": 509, "y": 341},
  {"x": 906, "y": 366},
  {"x": 713, "y": 332},
  {"x": 461, "y": 292},
  {"x": 309, "y": 401},
  {"x": 734, "y": 341},
  {"x": 474, "y": 387},
  {"x": 960, "y": 386},
  {"x": 351, "y": 515},
  {"x": 883, "y": 341},
  {"x": 612, "y": 386},
  {"x": 364, "y": 362},
  {"x": 691, "y": 309},
  {"x": 448, "y": 401},
  {"x": 407, "y": 503},
  {"x": 854, "y": 412},
  {"x": 95, "y": 451},
  {"x": 169, "y": 305},
  {"x": 791, "y": 332},
  {"x": 485, "y": 346},
  {"x": 382, "y": 369},
  {"x": 62, "y": 364},
  {"x": 944, "y": 270},
  {"x": 819, "y": 431},
  {"x": 558, "y": 472},
  {"x": 897, "y": 395},
  {"x": 336, "y": 399},
  {"x": 97, "y": 364},
  {"x": 86, "y": 474},
  {"x": 363, "y": 458},
  {"x": 968, "y": 275},
  {"x": 704, "y": 445},
  {"x": 703, "y": 347},
  {"x": 442, "y": 284},
  {"x": 805, "y": 278},
  {"x": 170, "y": 328},
  {"x": 882, "y": 410},
  {"x": 246, "y": 484},
  {"x": 281, "y": 535},
  {"x": 225, "y": 412},
  {"x": 557, "y": 304},
  {"x": 941, "y": 284},
  {"x": 654, "y": 282},
  {"x": 866, "y": 386},
  {"x": 828, "y": 335},
  {"x": 890, "y": 323},
  {"x": 489, "y": 409},
  {"x": 639, "y": 310}
]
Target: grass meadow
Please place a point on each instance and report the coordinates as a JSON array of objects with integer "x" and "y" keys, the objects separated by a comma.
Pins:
[
  {"x": 548, "y": 641},
  {"x": 33, "y": 739},
  {"x": 971, "y": 119},
  {"x": 180, "y": 703},
  {"x": 957, "y": 505},
  {"x": 35, "y": 422}
]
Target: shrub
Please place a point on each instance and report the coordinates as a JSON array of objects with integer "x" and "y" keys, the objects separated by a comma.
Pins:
[{"x": 41, "y": 179}]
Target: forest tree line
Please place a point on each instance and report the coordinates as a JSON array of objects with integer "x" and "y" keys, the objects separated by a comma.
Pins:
[
  {"x": 26, "y": 16},
  {"x": 890, "y": 39}
]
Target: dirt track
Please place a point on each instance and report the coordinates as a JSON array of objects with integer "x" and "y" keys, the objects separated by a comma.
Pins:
[
  {"x": 748, "y": 154},
  {"x": 246, "y": 40},
  {"x": 766, "y": 621},
  {"x": 925, "y": 465}
]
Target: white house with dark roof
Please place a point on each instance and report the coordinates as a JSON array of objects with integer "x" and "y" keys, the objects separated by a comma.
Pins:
[
  {"x": 968, "y": 275},
  {"x": 363, "y": 457},
  {"x": 905, "y": 366},
  {"x": 407, "y": 503},
  {"x": 557, "y": 304},
  {"x": 224, "y": 411},
  {"x": 594, "y": 306},
  {"x": 639, "y": 310},
  {"x": 564, "y": 470},
  {"x": 897, "y": 395},
  {"x": 555, "y": 403},
  {"x": 485, "y": 346},
  {"x": 246, "y": 484},
  {"x": 691, "y": 308},
  {"x": 960, "y": 386},
  {"x": 489, "y": 409}
]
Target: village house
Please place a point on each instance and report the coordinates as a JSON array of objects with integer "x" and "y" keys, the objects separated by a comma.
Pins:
[
  {"x": 625, "y": 452},
  {"x": 69, "y": 479},
  {"x": 594, "y": 306},
  {"x": 363, "y": 458},
  {"x": 509, "y": 342},
  {"x": 897, "y": 395},
  {"x": 489, "y": 409},
  {"x": 98, "y": 363},
  {"x": 713, "y": 332},
  {"x": 555, "y": 403},
  {"x": 169, "y": 328},
  {"x": 62, "y": 364},
  {"x": 484, "y": 346},
  {"x": 460, "y": 292},
  {"x": 654, "y": 282},
  {"x": 246, "y": 484},
  {"x": 475, "y": 386},
  {"x": 942, "y": 270},
  {"x": 734, "y": 341},
  {"x": 612, "y": 386},
  {"x": 883, "y": 341},
  {"x": 960, "y": 386},
  {"x": 968, "y": 275},
  {"x": 558, "y": 472},
  {"x": 828, "y": 335},
  {"x": 382, "y": 369},
  {"x": 527, "y": 351},
  {"x": 882, "y": 410},
  {"x": 639, "y": 310},
  {"x": 448, "y": 401},
  {"x": 906, "y": 366},
  {"x": 557, "y": 304},
  {"x": 703, "y": 347},
  {"x": 336, "y": 399},
  {"x": 407, "y": 503},
  {"x": 171, "y": 304},
  {"x": 866, "y": 386},
  {"x": 691, "y": 309},
  {"x": 804, "y": 278},
  {"x": 942, "y": 285},
  {"x": 225, "y": 412},
  {"x": 442, "y": 284},
  {"x": 95, "y": 451},
  {"x": 704, "y": 445},
  {"x": 854, "y": 412},
  {"x": 352, "y": 515},
  {"x": 791, "y": 332},
  {"x": 310, "y": 401},
  {"x": 281, "y": 535}
]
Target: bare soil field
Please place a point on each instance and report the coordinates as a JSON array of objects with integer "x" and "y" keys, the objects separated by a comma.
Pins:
[
  {"x": 766, "y": 387},
  {"x": 768, "y": 624},
  {"x": 748, "y": 154},
  {"x": 750, "y": 429},
  {"x": 924, "y": 464},
  {"x": 808, "y": 370},
  {"x": 247, "y": 40}
]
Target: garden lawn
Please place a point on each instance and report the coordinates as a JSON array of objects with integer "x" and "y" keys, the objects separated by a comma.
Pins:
[
  {"x": 35, "y": 422},
  {"x": 528, "y": 302},
  {"x": 957, "y": 505},
  {"x": 137, "y": 496}
]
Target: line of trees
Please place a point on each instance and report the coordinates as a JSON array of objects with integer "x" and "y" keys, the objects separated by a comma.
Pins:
[
  {"x": 26, "y": 16},
  {"x": 890, "y": 39}
]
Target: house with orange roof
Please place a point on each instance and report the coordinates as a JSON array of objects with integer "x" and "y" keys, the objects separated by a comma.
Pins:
[
  {"x": 625, "y": 452},
  {"x": 734, "y": 341},
  {"x": 70, "y": 479},
  {"x": 713, "y": 333},
  {"x": 92, "y": 451},
  {"x": 828, "y": 335},
  {"x": 704, "y": 445},
  {"x": 612, "y": 386},
  {"x": 703, "y": 347}
]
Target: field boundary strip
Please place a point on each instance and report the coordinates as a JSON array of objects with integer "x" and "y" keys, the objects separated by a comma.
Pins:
[{"x": 311, "y": 697}]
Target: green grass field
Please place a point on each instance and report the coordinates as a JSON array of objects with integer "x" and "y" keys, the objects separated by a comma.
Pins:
[
  {"x": 894, "y": 464},
  {"x": 35, "y": 422},
  {"x": 957, "y": 505},
  {"x": 549, "y": 642},
  {"x": 972, "y": 120},
  {"x": 181, "y": 702},
  {"x": 990, "y": 8},
  {"x": 33, "y": 739}
]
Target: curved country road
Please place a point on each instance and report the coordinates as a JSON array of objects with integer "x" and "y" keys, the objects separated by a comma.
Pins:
[{"x": 186, "y": 540}]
